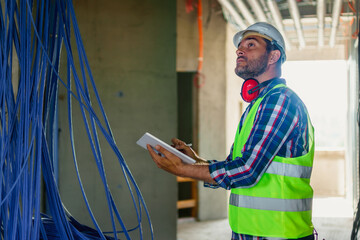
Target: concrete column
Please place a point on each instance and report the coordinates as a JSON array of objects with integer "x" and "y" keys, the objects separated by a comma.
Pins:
[{"x": 212, "y": 96}]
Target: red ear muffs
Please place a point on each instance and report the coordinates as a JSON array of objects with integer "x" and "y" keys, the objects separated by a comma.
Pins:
[
  {"x": 248, "y": 93},
  {"x": 251, "y": 88}
]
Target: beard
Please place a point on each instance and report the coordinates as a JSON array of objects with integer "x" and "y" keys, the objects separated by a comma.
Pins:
[{"x": 254, "y": 67}]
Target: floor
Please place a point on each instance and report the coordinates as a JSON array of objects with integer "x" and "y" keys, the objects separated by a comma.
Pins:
[{"x": 332, "y": 218}]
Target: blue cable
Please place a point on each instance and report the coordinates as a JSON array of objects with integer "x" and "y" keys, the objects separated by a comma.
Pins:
[
  {"x": 76, "y": 78},
  {"x": 28, "y": 125}
]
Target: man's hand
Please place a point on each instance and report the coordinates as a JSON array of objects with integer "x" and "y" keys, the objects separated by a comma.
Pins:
[
  {"x": 172, "y": 164},
  {"x": 181, "y": 146},
  {"x": 169, "y": 162}
]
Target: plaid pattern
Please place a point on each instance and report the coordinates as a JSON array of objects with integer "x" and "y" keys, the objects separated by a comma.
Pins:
[{"x": 280, "y": 129}]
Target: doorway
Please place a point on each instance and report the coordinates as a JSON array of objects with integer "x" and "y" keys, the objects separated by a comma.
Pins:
[{"x": 187, "y": 188}]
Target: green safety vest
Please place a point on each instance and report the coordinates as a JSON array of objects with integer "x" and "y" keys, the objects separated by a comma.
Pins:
[{"x": 280, "y": 204}]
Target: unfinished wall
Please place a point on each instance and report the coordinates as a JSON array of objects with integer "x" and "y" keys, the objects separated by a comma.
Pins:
[
  {"x": 212, "y": 96},
  {"x": 131, "y": 46}
]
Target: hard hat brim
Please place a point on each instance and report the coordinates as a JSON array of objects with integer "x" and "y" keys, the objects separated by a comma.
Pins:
[{"x": 245, "y": 34}]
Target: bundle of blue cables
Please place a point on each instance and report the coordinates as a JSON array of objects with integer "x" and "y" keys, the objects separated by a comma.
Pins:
[{"x": 32, "y": 34}]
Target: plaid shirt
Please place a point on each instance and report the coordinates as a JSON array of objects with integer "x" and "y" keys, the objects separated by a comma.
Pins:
[{"x": 280, "y": 129}]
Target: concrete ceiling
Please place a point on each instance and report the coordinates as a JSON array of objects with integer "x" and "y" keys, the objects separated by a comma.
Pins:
[{"x": 305, "y": 24}]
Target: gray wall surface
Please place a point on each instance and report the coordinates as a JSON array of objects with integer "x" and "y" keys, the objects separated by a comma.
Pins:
[
  {"x": 212, "y": 96},
  {"x": 131, "y": 47}
]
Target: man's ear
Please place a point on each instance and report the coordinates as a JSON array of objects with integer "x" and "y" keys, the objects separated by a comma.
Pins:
[{"x": 274, "y": 56}]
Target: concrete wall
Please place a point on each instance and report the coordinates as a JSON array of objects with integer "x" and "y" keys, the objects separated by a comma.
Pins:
[
  {"x": 187, "y": 47},
  {"x": 212, "y": 96},
  {"x": 131, "y": 46},
  {"x": 212, "y": 113}
]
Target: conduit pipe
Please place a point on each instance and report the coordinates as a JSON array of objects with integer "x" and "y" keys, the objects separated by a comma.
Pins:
[
  {"x": 295, "y": 14},
  {"x": 275, "y": 12},
  {"x": 335, "y": 21},
  {"x": 258, "y": 10},
  {"x": 239, "y": 21},
  {"x": 244, "y": 11},
  {"x": 201, "y": 39},
  {"x": 321, "y": 21}
]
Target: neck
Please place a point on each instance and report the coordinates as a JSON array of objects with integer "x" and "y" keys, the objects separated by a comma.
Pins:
[{"x": 269, "y": 74}]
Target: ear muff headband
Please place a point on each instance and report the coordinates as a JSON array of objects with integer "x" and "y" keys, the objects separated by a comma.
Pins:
[{"x": 250, "y": 89}]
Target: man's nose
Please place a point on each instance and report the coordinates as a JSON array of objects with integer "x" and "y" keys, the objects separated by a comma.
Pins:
[{"x": 239, "y": 51}]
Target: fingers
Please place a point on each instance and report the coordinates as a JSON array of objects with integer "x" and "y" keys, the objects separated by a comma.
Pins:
[
  {"x": 184, "y": 148},
  {"x": 155, "y": 156},
  {"x": 165, "y": 152},
  {"x": 177, "y": 142},
  {"x": 168, "y": 161},
  {"x": 166, "y": 155}
]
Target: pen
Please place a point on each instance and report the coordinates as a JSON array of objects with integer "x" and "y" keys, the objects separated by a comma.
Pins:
[{"x": 189, "y": 144}]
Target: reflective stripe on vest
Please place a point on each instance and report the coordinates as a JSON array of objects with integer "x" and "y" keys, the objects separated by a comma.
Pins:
[
  {"x": 289, "y": 170},
  {"x": 273, "y": 204}
]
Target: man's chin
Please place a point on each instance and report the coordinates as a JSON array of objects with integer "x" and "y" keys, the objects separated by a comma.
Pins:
[
  {"x": 244, "y": 75},
  {"x": 238, "y": 72}
]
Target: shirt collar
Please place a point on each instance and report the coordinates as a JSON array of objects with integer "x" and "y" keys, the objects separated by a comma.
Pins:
[{"x": 274, "y": 82}]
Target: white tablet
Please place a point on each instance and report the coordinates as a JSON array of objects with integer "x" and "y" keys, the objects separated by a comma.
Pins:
[{"x": 147, "y": 138}]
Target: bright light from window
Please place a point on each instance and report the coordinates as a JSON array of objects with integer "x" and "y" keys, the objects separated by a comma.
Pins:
[{"x": 322, "y": 86}]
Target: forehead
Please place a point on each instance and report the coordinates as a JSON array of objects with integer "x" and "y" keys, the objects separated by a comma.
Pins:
[{"x": 254, "y": 38}]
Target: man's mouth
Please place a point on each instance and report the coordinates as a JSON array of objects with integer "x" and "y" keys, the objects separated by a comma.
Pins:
[{"x": 240, "y": 59}]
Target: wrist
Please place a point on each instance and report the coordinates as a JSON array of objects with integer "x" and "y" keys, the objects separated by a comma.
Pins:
[
  {"x": 200, "y": 160},
  {"x": 183, "y": 171}
]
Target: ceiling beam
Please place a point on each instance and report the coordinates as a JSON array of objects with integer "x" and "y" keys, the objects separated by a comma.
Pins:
[
  {"x": 295, "y": 14},
  {"x": 244, "y": 11},
  {"x": 275, "y": 12},
  {"x": 237, "y": 18},
  {"x": 320, "y": 10},
  {"x": 258, "y": 10},
  {"x": 335, "y": 21}
]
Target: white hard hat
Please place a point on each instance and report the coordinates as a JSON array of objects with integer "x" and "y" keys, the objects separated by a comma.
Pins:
[{"x": 266, "y": 31}]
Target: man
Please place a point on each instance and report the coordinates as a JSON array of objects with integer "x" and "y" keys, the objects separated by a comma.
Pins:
[{"x": 269, "y": 166}]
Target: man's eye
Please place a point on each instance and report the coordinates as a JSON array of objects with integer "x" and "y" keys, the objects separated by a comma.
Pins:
[{"x": 251, "y": 45}]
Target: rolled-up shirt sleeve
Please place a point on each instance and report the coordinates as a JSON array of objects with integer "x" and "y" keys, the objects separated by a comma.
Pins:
[{"x": 212, "y": 163}]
